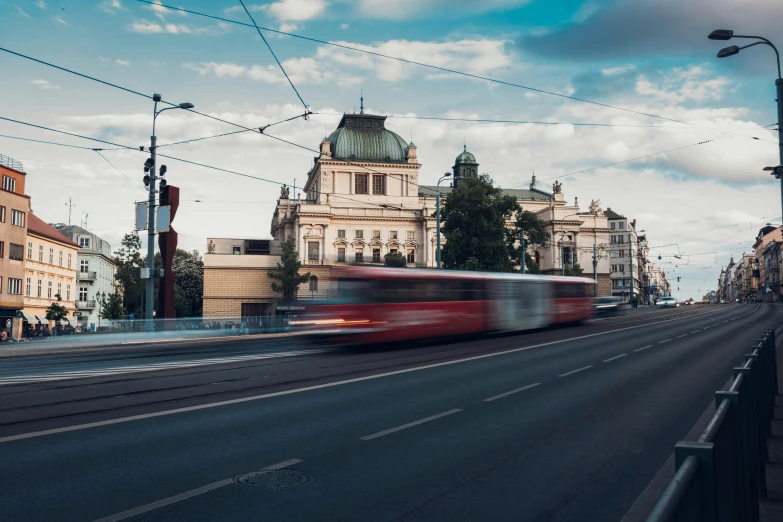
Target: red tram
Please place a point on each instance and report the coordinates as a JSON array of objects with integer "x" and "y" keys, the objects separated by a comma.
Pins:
[{"x": 374, "y": 305}]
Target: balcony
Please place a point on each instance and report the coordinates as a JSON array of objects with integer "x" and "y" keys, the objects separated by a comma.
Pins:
[
  {"x": 86, "y": 276},
  {"x": 11, "y": 163},
  {"x": 85, "y": 305}
]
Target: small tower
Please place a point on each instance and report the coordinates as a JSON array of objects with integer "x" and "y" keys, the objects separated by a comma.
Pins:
[{"x": 465, "y": 166}]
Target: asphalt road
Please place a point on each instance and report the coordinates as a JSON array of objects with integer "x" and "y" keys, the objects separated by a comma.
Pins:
[{"x": 564, "y": 424}]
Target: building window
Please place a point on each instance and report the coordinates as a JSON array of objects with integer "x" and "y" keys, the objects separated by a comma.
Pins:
[
  {"x": 40, "y": 288},
  {"x": 82, "y": 293},
  {"x": 622, "y": 225},
  {"x": 9, "y": 183},
  {"x": 60, "y": 290},
  {"x": 411, "y": 255},
  {"x": 621, "y": 253},
  {"x": 40, "y": 253},
  {"x": 2, "y": 214},
  {"x": 14, "y": 252},
  {"x": 51, "y": 256},
  {"x": 341, "y": 233},
  {"x": 537, "y": 255},
  {"x": 378, "y": 184},
  {"x": 392, "y": 234},
  {"x": 2, "y": 248},
  {"x": 409, "y": 235},
  {"x": 341, "y": 255},
  {"x": 376, "y": 234},
  {"x": 68, "y": 294},
  {"x": 376, "y": 255},
  {"x": 622, "y": 268},
  {"x": 313, "y": 284},
  {"x": 61, "y": 258},
  {"x": 69, "y": 259},
  {"x": 17, "y": 218},
  {"x": 14, "y": 286},
  {"x": 84, "y": 242},
  {"x": 312, "y": 250},
  {"x": 236, "y": 250},
  {"x": 49, "y": 290},
  {"x": 612, "y": 225},
  {"x": 27, "y": 287},
  {"x": 359, "y": 256},
  {"x": 360, "y": 183},
  {"x": 30, "y": 250},
  {"x": 359, "y": 234},
  {"x": 85, "y": 266}
]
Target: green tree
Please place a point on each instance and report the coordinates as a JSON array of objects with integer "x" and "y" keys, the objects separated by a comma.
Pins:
[
  {"x": 529, "y": 224},
  {"x": 188, "y": 283},
  {"x": 56, "y": 312},
  {"x": 573, "y": 270},
  {"x": 286, "y": 277},
  {"x": 112, "y": 308},
  {"x": 395, "y": 259},
  {"x": 474, "y": 224},
  {"x": 128, "y": 276}
]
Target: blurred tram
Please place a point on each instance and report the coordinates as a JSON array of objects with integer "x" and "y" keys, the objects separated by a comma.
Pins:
[{"x": 382, "y": 305}]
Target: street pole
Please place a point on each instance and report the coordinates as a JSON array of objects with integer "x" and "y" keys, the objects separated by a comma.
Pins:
[
  {"x": 437, "y": 216},
  {"x": 151, "y": 232},
  {"x": 522, "y": 239},
  {"x": 779, "y": 85},
  {"x": 595, "y": 270},
  {"x": 630, "y": 261}
]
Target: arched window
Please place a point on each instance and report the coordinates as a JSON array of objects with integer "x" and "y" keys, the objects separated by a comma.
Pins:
[
  {"x": 537, "y": 257},
  {"x": 313, "y": 284}
]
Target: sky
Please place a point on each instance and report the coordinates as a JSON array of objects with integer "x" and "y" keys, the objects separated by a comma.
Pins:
[{"x": 644, "y": 70}]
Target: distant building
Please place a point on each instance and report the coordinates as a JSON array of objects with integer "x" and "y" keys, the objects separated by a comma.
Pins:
[
  {"x": 95, "y": 273},
  {"x": 14, "y": 207},
  {"x": 50, "y": 269},
  {"x": 624, "y": 249}
]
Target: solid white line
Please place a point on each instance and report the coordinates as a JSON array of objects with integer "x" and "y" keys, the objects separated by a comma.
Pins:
[
  {"x": 643, "y": 348},
  {"x": 409, "y": 425},
  {"x": 681, "y": 336},
  {"x": 615, "y": 357},
  {"x": 574, "y": 371},
  {"x": 693, "y": 332},
  {"x": 666, "y": 341},
  {"x": 132, "y": 418},
  {"x": 512, "y": 392},
  {"x": 186, "y": 495}
]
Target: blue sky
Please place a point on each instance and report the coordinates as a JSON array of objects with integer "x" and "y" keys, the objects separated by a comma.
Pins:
[{"x": 651, "y": 56}]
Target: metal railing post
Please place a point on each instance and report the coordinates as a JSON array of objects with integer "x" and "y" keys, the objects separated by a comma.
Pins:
[
  {"x": 755, "y": 476},
  {"x": 774, "y": 357},
  {"x": 705, "y": 475},
  {"x": 740, "y": 490}
]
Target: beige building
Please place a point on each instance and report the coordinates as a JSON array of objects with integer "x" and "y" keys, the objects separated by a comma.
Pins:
[
  {"x": 49, "y": 269},
  {"x": 14, "y": 207}
]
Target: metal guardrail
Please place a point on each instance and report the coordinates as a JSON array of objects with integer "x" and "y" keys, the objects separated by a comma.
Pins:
[
  {"x": 11, "y": 163},
  {"x": 722, "y": 475}
]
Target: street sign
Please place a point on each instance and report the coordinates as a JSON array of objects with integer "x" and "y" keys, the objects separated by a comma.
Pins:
[
  {"x": 164, "y": 218},
  {"x": 141, "y": 215},
  {"x": 131, "y": 317}
]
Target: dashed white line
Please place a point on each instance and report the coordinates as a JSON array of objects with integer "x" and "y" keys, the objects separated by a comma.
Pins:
[
  {"x": 693, "y": 332},
  {"x": 681, "y": 336},
  {"x": 726, "y": 321},
  {"x": 186, "y": 495},
  {"x": 643, "y": 348},
  {"x": 615, "y": 357},
  {"x": 575, "y": 371},
  {"x": 512, "y": 392},
  {"x": 409, "y": 425},
  {"x": 664, "y": 341}
]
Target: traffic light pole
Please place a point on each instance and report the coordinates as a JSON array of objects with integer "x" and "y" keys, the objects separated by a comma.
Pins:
[{"x": 151, "y": 236}]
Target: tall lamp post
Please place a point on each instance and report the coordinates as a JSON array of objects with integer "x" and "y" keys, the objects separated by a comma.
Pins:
[
  {"x": 149, "y": 181},
  {"x": 728, "y": 34},
  {"x": 437, "y": 215}
]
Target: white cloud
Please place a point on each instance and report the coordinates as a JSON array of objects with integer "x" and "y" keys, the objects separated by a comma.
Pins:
[
  {"x": 297, "y": 10},
  {"x": 41, "y": 4},
  {"x": 60, "y": 21},
  {"x": 344, "y": 26},
  {"x": 111, "y": 6},
  {"x": 692, "y": 83},
  {"x": 161, "y": 12},
  {"x": 126, "y": 63},
  {"x": 221, "y": 70},
  {"x": 43, "y": 84},
  {"x": 406, "y": 9},
  {"x": 21, "y": 12},
  {"x": 287, "y": 28},
  {"x": 152, "y": 27}
]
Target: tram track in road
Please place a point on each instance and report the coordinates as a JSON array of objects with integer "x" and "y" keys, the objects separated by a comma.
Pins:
[{"x": 108, "y": 397}]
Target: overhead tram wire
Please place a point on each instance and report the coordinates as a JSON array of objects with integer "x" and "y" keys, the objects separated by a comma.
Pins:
[
  {"x": 51, "y": 142},
  {"x": 273, "y": 54},
  {"x": 437, "y": 68},
  {"x": 244, "y": 129},
  {"x": 118, "y": 170}
]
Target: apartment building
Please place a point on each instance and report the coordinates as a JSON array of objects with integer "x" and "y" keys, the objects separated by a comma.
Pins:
[{"x": 14, "y": 207}]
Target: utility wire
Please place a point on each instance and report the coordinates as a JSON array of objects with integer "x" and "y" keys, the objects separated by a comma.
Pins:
[
  {"x": 437, "y": 68},
  {"x": 246, "y": 129},
  {"x": 118, "y": 170},
  {"x": 273, "y": 54},
  {"x": 51, "y": 143}
]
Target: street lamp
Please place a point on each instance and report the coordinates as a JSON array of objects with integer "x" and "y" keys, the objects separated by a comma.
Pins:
[
  {"x": 727, "y": 34},
  {"x": 437, "y": 215},
  {"x": 149, "y": 180}
]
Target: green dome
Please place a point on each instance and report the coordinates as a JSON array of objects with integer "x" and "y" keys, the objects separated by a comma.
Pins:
[
  {"x": 465, "y": 156},
  {"x": 364, "y": 137}
]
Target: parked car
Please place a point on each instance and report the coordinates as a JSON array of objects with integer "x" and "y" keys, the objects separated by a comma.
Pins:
[{"x": 665, "y": 302}]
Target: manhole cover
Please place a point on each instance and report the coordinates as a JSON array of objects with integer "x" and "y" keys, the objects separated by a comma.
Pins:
[{"x": 275, "y": 479}]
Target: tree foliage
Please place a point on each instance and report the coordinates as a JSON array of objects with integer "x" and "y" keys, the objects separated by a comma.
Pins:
[
  {"x": 395, "y": 259},
  {"x": 188, "y": 270},
  {"x": 286, "y": 277},
  {"x": 474, "y": 224},
  {"x": 112, "y": 308},
  {"x": 532, "y": 227},
  {"x": 129, "y": 261},
  {"x": 56, "y": 312},
  {"x": 573, "y": 270}
]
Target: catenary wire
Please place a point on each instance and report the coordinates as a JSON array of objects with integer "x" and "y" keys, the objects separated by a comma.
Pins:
[{"x": 118, "y": 170}]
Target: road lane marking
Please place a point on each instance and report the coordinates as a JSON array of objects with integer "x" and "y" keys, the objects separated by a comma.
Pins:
[
  {"x": 574, "y": 371},
  {"x": 643, "y": 348},
  {"x": 681, "y": 336},
  {"x": 512, "y": 392},
  {"x": 186, "y": 495},
  {"x": 724, "y": 322},
  {"x": 693, "y": 332},
  {"x": 615, "y": 357},
  {"x": 97, "y": 424},
  {"x": 665, "y": 341},
  {"x": 409, "y": 425}
]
